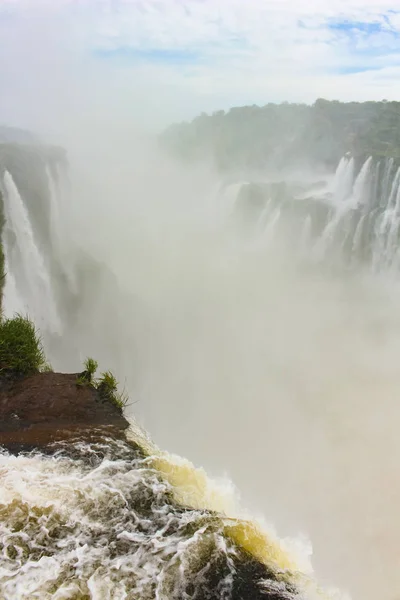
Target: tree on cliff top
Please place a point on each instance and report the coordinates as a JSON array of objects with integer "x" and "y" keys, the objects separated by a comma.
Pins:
[{"x": 279, "y": 135}]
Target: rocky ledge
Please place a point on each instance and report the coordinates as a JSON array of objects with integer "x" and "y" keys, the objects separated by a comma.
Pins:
[
  {"x": 147, "y": 510},
  {"x": 38, "y": 411},
  {"x": 49, "y": 407}
]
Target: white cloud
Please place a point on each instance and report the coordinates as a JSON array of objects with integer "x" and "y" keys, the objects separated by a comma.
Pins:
[
  {"x": 237, "y": 51},
  {"x": 258, "y": 38}
]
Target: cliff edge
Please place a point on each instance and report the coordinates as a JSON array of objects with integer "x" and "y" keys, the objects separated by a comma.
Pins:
[{"x": 49, "y": 407}]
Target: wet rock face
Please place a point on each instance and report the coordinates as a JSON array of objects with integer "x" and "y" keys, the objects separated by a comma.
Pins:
[{"x": 49, "y": 407}]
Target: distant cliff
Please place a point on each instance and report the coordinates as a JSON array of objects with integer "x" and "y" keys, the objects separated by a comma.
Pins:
[
  {"x": 278, "y": 136},
  {"x": 16, "y": 136}
]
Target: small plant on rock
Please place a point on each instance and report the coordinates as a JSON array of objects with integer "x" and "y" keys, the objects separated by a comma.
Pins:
[
  {"x": 90, "y": 369},
  {"x": 107, "y": 386},
  {"x": 87, "y": 376}
]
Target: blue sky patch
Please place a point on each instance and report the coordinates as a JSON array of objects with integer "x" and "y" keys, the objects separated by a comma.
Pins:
[
  {"x": 349, "y": 27},
  {"x": 366, "y": 40},
  {"x": 352, "y": 69}
]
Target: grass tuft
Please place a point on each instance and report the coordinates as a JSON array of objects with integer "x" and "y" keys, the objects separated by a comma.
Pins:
[
  {"x": 107, "y": 386},
  {"x": 91, "y": 366},
  {"x": 86, "y": 377},
  {"x": 21, "y": 351}
]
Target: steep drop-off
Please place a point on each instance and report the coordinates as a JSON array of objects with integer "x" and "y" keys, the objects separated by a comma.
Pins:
[
  {"x": 149, "y": 543},
  {"x": 89, "y": 507},
  {"x": 49, "y": 407}
]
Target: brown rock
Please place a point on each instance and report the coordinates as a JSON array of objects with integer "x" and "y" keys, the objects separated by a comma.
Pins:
[{"x": 49, "y": 407}]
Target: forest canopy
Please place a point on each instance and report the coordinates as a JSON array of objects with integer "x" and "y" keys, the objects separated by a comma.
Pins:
[{"x": 277, "y": 135}]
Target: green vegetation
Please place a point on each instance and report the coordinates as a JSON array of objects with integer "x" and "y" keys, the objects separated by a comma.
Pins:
[
  {"x": 22, "y": 354},
  {"x": 253, "y": 137},
  {"x": 21, "y": 351},
  {"x": 107, "y": 386},
  {"x": 90, "y": 367},
  {"x": 87, "y": 376}
]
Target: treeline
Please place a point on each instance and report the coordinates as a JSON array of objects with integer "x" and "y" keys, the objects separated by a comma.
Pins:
[{"x": 275, "y": 135}]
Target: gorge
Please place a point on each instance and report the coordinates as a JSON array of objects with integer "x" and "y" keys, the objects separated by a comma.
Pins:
[{"x": 252, "y": 320}]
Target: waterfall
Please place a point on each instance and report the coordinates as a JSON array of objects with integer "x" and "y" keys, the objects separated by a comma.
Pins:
[
  {"x": 342, "y": 199},
  {"x": 265, "y": 215},
  {"x": 305, "y": 235},
  {"x": 375, "y": 184},
  {"x": 56, "y": 230},
  {"x": 61, "y": 248},
  {"x": 26, "y": 263},
  {"x": 343, "y": 180},
  {"x": 355, "y": 218},
  {"x": 271, "y": 227},
  {"x": 386, "y": 180},
  {"x": 385, "y": 228},
  {"x": 357, "y": 240},
  {"x": 361, "y": 189},
  {"x": 12, "y": 301},
  {"x": 223, "y": 345}
]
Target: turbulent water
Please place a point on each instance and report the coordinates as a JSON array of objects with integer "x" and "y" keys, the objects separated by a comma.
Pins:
[
  {"x": 103, "y": 525},
  {"x": 256, "y": 327}
]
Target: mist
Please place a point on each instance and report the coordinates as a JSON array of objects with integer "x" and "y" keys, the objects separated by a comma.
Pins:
[
  {"x": 241, "y": 356},
  {"x": 237, "y": 352}
]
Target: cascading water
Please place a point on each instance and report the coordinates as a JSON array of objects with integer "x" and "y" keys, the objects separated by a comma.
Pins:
[
  {"x": 59, "y": 230},
  {"x": 56, "y": 229},
  {"x": 384, "y": 249},
  {"x": 386, "y": 181},
  {"x": 362, "y": 185},
  {"x": 360, "y": 220},
  {"x": 358, "y": 235},
  {"x": 108, "y": 527},
  {"x": 12, "y": 302},
  {"x": 243, "y": 365},
  {"x": 342, "y": 192},
  {"x": 343, "y": 180},
  {"x": 26, "y": 262}
]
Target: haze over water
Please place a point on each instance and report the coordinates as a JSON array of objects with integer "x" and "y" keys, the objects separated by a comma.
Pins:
[
  {"x": 248, "y": 353},
  {"x": 263, "y": 355}
]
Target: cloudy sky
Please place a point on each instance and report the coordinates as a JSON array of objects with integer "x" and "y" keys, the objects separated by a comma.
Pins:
[{"x": 176, "y": 58}]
